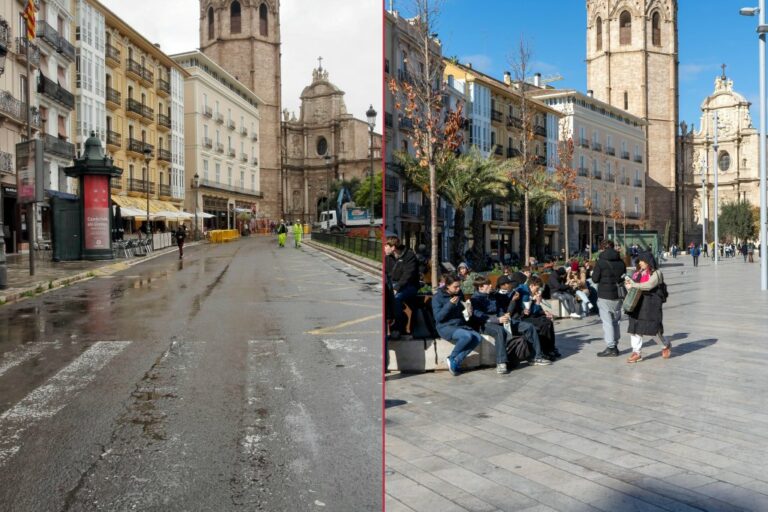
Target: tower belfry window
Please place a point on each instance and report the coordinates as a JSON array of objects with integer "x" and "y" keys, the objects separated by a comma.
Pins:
[
  {"x": 625, "y": 28},
  {"x": 263, "y": 28},
  {"x": 210, "y": 23},
  {"x": 656, "y": 29},
  {"x": 599, "y": 34},
  {"x": 234, "y": 18}
]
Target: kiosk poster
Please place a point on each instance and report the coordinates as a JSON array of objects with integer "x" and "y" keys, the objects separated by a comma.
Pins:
[
  {"x": 96, "y": 205},
  {"x": 29, "y": 167}
]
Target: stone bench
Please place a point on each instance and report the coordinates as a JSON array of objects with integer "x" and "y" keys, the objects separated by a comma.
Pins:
[{"x": 418, "y": 356}]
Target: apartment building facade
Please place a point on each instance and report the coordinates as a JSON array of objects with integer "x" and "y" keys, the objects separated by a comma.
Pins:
[{"x": 222, "y": 122}]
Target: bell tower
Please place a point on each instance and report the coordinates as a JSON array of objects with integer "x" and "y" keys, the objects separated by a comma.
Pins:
[
  {"x": 632, "y": 64},
  {"x": 243, "y": 37}
]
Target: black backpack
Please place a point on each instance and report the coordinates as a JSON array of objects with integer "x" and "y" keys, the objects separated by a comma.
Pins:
[{"x": 663, "y": 292}]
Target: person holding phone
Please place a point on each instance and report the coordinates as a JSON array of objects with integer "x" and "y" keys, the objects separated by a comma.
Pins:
[{"x": 448, "y": 309}]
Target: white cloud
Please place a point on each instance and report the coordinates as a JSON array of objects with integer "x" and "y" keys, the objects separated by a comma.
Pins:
[
  {"x": 348, "y": 35},
  {"x": 690, "y": 72},
  {"x": 479, "y": 62}
]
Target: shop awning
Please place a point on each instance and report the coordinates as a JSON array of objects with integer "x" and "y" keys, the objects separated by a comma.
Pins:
[{"x": 138, "y": 203}]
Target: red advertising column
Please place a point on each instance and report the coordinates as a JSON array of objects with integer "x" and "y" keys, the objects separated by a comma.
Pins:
[{"x": 96, "y": 212}]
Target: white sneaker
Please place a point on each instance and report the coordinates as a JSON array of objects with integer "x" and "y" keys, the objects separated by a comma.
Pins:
[
  {"x": 576, "y": 315},
  {"x": 501, "y": 368}
]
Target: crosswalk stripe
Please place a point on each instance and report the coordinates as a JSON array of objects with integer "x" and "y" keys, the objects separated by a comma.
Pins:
[
  {"x": 53, "y": 396},
  {"x": 22, "y": 354}
]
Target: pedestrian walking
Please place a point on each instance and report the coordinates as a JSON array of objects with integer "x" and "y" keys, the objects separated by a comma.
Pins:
[
  {"x": 751, "y": 252},
  {"x": 282, "y": 233},
  {"x": 646, "y": 318},
  {"x": 695, "y": 252},
  {"x": 297, "y": 232},
  {"x": 451, "y": 324},
  {"x": 609, "y": 275},
  {"x": 181, "y": 235}
]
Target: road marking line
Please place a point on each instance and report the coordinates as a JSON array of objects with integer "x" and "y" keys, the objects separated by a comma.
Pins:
[
  {"x": 345, "y": 345},
  {"x": 335, "y": 328},
  {"x": 22, "y": 354},
  {"x": 47, "y": 400}
]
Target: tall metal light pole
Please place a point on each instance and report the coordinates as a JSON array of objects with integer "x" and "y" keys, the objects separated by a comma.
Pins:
[
  {"x": 762, "y": 28},
  {"x": 147, "y": 158},
  {"x": 716, "y": 238},
  {"x": 327, "y": 192},
  {"x": 371, "y": 115},
  {"x": 704, "y": 202},
  {"x": 3, "y": 266},
  {"x": 196, "y": 186}
]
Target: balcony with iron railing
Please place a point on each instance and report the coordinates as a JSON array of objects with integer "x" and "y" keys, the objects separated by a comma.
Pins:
[
  {"x": 404, "y": 76},
  {"x": 207, "y": 142},
  {"x": 498, "y": 149},
  {"x": 625, "y": 181},
  {"x": 610, "y": 151},
  {"x": 5, "y": 37},
  {"x": 219, "y": 147},
  {"x": 136, "y": 185},
  {"x": 112, "y": 55},
  {"x": 596, "y": 146},
  {"x": 11, "y": 107},
  {"x": 254, "y": 161},
  {"x": 638, "y": 159},
  {"x": 513, "y": 152},
  {"x": 113, "y": 98},
  {"x": 540, "y": 160},
  {"x": 243, "y": 131},
  {"x": 163, "y": 121},
  {"x": 254, "y": 136},
  {"x": 638, "y": 183},
  {"x": 6, "y": 162},
  {"x": 583, "y": 172},
  {"x": 406, "y": 123},
  {"x": 114, "y": 138},
  {"x": 540, "y": 130},
  {"x": 231, "y": 124},
  {"x": 147, "y": 77},
  {"x": 514, "y": 121},
  {"x": 163, "y": 87},
  {"x": 165, "y": 190},
  {"x": 133, "y": 108},
  {"x": 133, "y": 69},
  {"x": 392, "y": 183},
  {"x": 411, "y": 209},
  {"x": 148, "y": 113},
  {"x": 388, "y": 119},
  {"x": 496, "y": 116},
  {"x": 24, "y": 48},
  {"x": 137, "y": 146},
  {"x": 231, "y": 152},
  {"x": 219, "y": 117},
  {"x": 610, "y": 177},
  {"x": 164, "y": 155},
  {"x": 584, "y": 143},
  {"x": 634, "y": 215},
  {"x": 47, "y": 33},
  {"x": 116, "y": 183},
  {"x": 57, "y": 146},
  {"x": 243, "y": 157},
  {"x": 625, "y": 155},
  {"x": 55, "y": 92},
  {"x": 598, "y": 175},
  {"x": 207, "y": 111},
  {"x": 230, "y": 188}
]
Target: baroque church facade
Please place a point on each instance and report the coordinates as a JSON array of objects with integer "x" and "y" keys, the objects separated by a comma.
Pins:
[
  {"x": 632, "y": 63},
  {"x": 299, "y": 157},
  {"x": 737, "y": 157}
]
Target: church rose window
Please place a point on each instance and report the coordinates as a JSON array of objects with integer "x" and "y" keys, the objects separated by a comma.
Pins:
[
  {"x": 724, "y": 161},
  {"x": 322, "y": 146}
]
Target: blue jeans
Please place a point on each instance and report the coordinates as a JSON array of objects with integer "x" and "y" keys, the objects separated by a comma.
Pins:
[
  {"x": 465, "y": 341},
  {"x": 500, "y": 339},
  {"x": 610, "y": 314},
  {"x": 401, "y": 296}
]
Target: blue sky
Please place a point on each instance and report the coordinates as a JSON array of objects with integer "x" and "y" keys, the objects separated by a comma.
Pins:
[{"x": 711, "y": 32}]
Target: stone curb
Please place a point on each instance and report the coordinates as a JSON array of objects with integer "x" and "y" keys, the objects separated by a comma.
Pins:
[
  {"x": 41, "y": 287},
  {"x": 364, "y": 264}
]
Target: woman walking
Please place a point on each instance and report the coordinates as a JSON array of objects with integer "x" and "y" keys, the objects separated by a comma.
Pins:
[{"x": 646, "y": 318}]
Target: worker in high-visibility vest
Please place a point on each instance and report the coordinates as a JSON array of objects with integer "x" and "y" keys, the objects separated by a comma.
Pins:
[
  {"x": 297, "y": 230},
  {"x": 282, "y": 233}
]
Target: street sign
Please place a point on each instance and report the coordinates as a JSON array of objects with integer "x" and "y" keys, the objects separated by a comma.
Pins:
[{"x": 29, "y": 171}]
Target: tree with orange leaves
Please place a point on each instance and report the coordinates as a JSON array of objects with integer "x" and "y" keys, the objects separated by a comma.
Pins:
[{"x": 565, "y": 180}]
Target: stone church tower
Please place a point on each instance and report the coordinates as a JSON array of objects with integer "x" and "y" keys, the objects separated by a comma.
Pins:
[
  {"x": 632, "y": 63},
  {"x": 243, "y": 37}
]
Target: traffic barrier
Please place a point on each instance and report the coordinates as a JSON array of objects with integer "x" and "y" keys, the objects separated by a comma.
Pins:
[{"x": 218, "y": 236}]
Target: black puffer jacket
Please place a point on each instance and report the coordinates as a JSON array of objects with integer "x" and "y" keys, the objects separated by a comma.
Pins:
[
  {"x": 405, "y": 270},
  {"x": 607, "y": 274}
]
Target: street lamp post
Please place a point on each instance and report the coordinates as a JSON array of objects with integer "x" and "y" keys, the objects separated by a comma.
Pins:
[
  {"x": 762, "y": 28},
  {"x": 147, "y": 158},
  {"x": 716, "y": 205},
  {"x": 327, "y": 227},
  {"x": 704, "y": 203},
  {"x": 371, "y": 115},
  {"x": 3, "y": 266},
  {"x": 196, "y": 186}
]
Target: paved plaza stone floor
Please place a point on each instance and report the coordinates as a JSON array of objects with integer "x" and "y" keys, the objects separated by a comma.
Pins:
[{"x": 685, "y": 434}]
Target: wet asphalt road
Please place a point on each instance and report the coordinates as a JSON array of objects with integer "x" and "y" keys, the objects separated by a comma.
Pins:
[{"x": 244, "y": 377}]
